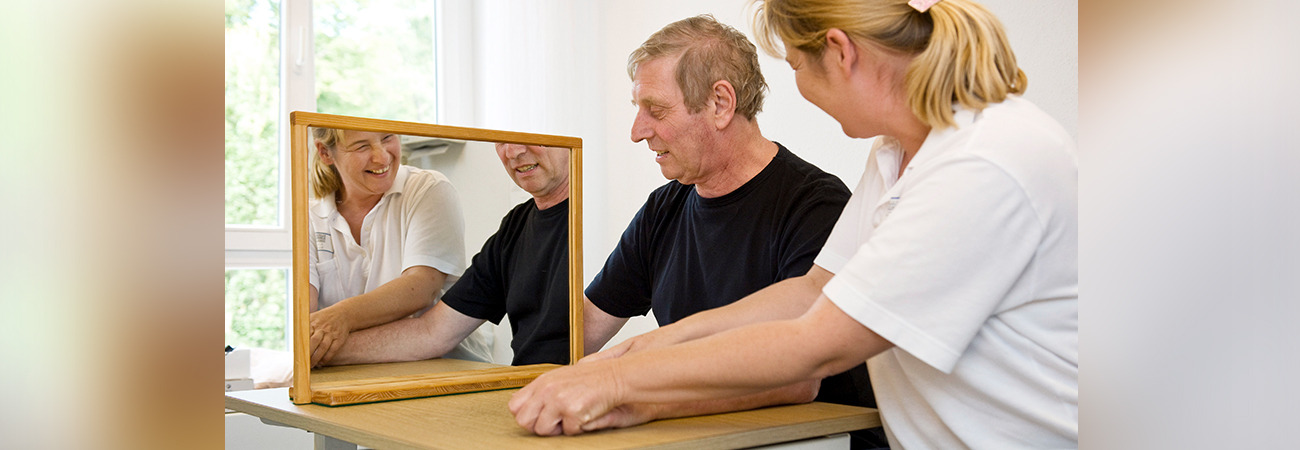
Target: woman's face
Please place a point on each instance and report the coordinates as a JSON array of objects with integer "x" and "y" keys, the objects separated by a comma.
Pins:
[
  {"x": 861, "y": 98},
  {"x": 366, "y": 160},
  {"x": 812, "y": 80}
]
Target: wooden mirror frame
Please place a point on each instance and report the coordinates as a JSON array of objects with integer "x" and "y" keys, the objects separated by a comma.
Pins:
[{"x": 498, "y": 378}]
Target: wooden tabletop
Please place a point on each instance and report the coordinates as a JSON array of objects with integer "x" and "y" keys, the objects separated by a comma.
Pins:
[{"x": 482, "y": 420}]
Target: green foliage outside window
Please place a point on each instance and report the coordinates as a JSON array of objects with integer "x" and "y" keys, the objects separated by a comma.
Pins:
[
  {"x": 375, "y": 58},
  {"x": 252, "y": 112},
  {"x": 255, "y": 308}
]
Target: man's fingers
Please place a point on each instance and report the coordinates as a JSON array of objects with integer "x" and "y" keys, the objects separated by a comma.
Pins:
[
  {"x": 525, "y": 411},
  {"x": 609, "y": 420},
  {"x": 572, "y": 426},
  {"x": 547, "y": 423},
  {"x": 518, "y": 400}
]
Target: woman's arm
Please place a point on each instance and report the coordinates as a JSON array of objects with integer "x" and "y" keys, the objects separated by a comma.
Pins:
[
  {"x": 743, "y": 361},
  {"x": 786, "y": 299}
]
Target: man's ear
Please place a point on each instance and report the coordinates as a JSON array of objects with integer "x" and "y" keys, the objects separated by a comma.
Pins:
[
  {"x": 842, "y": 52},
  {"x": 722, "y": 103}
]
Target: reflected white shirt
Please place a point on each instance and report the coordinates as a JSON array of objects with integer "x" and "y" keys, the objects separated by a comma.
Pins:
[{"x": 418, "y": 222}]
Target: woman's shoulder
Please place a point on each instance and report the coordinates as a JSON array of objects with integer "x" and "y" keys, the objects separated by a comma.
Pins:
[
  {"x": 1018, "y": 120},
  {"x": 417, "y": 179}
]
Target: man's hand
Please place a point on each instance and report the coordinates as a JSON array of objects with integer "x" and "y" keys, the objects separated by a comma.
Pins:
[
  {"x": 623, "y": 416},
  {"x": 570, "y": 400},
  {"x": 329, "y": 330},
  {"x": 657, "y": 338}
]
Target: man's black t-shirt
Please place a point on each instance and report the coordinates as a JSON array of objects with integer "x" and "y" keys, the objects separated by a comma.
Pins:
[
  {"x": 523, "y": 271},
  {"x": 683, "y": 253}
]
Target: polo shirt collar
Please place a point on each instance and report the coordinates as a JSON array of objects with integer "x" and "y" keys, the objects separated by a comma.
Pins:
[
  {"x": 889, "y": 151},
  {"x": 937, "y": 141}
]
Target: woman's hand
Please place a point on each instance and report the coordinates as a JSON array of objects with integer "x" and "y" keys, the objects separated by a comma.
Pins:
[
  {"x": 573, "y": 399},
  {"x": 329, "y": 330}
]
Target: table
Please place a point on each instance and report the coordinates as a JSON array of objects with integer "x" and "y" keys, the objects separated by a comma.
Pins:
[{"x": 482, "y": 420}]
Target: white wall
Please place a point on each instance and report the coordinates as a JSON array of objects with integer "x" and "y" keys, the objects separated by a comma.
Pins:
[{"x": 559, "y": 67}]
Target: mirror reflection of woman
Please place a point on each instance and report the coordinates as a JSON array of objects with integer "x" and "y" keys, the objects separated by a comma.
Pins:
[
  {"x": 953, "y": 270},
  {"x": 386, "y": 240}
]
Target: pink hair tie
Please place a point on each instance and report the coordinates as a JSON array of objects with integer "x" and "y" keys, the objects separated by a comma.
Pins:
[{"x": 922, "y": 5}]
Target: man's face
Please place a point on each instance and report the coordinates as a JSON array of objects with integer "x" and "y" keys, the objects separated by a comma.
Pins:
[
  {"x": 542, "y": 171},
  {"x": 682, "y": 141}
]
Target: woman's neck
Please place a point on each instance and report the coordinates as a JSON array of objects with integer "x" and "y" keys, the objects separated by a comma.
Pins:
[
  {"x": 353, "y": 203},
  {"x": 910, "y": 135}
]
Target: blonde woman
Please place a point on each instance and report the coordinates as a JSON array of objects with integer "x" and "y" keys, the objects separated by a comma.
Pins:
[
  {"x": 387, "y": 240},
  {"x": 953, "y": 270}
]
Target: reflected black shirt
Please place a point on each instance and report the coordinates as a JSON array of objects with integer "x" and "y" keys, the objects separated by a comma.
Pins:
[{"x": 522, "y": 272}]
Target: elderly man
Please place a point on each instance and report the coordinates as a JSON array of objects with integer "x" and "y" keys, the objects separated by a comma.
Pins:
[
  {"x": 522, "y": 271},
  {"x": 741, "y": 212}
]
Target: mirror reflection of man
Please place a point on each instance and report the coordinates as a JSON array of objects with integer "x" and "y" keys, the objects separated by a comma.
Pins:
[
  {"x": 740, "y": 213},
  {"x": 521, "y": 272}
]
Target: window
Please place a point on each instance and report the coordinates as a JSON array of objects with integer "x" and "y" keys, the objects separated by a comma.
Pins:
[{"x": 374, "y": 58}]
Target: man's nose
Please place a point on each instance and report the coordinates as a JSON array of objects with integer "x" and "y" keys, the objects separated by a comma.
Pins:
[
  {"x": 640, "y": 128},
  {"x": 514, "y": 150}
]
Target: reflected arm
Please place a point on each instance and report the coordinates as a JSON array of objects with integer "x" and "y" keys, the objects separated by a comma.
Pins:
[
  {"x": 407, "y": 294},
  {"x": 428, "y": 336},
  {"x": 403, "y": 296}
]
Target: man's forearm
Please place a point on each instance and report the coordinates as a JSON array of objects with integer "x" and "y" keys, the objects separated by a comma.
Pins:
[
  {"x": 393, "y": 342},
  {"x": 413, "y": 339}
]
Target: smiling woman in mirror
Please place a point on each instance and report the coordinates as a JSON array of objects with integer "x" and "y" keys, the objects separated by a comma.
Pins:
[
  {"x": 386, "y": 240},
  {"x": 520, "y": 272}
]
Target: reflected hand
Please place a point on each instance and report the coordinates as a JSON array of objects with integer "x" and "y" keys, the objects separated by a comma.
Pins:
[
  {"x": 329, "y": 330},
  {"x": 571, "y": 400}
]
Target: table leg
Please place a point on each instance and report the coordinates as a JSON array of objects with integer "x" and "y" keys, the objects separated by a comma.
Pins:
[{"x": 324, "y": 442}]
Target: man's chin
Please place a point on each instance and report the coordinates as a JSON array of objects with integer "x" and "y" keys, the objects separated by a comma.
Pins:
[{"x": 668, "y": 174}]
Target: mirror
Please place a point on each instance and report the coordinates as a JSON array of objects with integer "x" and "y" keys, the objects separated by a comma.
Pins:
[{"x": 468, "y": 158}]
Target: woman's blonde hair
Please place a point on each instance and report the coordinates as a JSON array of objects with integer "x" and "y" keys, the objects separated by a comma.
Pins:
[
  {"x": 961, "y": 54},
  {"x": 324, "y": 178}
]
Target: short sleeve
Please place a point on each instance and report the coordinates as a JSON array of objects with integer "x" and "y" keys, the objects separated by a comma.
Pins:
[
  {"x": 480, "y": 292},
  {"x": 942, "y": 262},
  {"x": 622, "y": 288},
  {"x": 809, "y": 225},
  {"x": 435, "y": 230}
]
